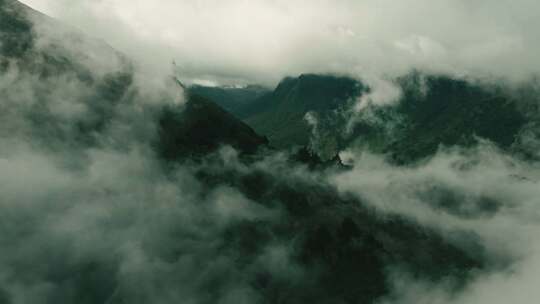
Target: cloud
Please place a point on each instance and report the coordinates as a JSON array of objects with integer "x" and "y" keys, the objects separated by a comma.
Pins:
[
  {"x": 89, "y": 214},
  {"x": 427, "y": 193},
  {"x": 262, "y": 41},
  {"x": 382, "y": 92}
]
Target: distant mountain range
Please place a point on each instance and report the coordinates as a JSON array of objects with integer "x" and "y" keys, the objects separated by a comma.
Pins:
[
  {"x": 280, "y": 114},
  {"x": 433, "y": 110},
  {"x": 449, "y": 112}
]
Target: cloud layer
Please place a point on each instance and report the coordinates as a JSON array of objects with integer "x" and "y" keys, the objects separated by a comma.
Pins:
[
  {"x": 262, "y": 41},
  {"x": 462, "y": 179}
]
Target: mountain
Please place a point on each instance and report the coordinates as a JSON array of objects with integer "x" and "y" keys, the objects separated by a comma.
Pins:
[
  {"x": 342, "y": 246},
  {"x": 35, "y": 43},
  {"x": 99, "y": 222},
  {"x": 73, "y": 85},
  {"x": 436, "y": 111},
  {"x": 280, "y": 115},
  {"x": 70, "y": 71},
  {"x": 200, "y": 128},
  {"x": 15, "y": 30},
  {"x": 433, "y": 111},
  {"x": 235, "y": 100}
]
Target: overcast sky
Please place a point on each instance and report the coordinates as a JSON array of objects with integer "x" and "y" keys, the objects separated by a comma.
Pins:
[{"x": 264, "y": 40}]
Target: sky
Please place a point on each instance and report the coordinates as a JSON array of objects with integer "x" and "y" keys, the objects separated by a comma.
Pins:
[{"x": 261, "y": 41}]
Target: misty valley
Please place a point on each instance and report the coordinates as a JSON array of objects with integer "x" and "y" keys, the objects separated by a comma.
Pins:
[{"x": 121, "y": 182}]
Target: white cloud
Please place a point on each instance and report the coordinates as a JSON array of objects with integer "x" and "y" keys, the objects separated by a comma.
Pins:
[
  {"x": 263, "y": 40},
  {"x": 511, "y": 232}
]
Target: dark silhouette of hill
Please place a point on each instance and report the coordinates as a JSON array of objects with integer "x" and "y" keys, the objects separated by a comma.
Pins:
[{"x": 202, "y": 127}]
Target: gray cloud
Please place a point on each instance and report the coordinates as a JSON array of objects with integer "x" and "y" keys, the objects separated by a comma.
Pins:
[
  {"x": 474, "y": 175},
  {"x": 261, "y": 41}
]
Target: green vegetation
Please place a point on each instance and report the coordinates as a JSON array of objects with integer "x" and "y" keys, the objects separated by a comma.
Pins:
[
  {"x": 449, "y": 113},
  {"x": 345, "y": 245},
  {"x": 281, "y": 116},
  {"x": 433, "y": 111},
  {"x": 234, "y": 100},
  {"x": 15, "y": 31},
  {"x": 202, "y": 127}
]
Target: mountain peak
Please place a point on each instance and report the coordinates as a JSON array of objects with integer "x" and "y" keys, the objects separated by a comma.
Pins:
[{"x": 202, "y": 127}]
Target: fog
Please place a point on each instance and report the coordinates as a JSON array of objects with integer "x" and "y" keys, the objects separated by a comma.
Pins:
[
  {"x": 464, "y": 179},
  {"x": 90, "y": 213}
]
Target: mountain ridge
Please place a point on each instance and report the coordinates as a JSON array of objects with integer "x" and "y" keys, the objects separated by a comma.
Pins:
[{"x": 433, "y": 110}]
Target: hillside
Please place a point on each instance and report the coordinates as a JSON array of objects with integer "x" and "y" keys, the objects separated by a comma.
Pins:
[
  {"x": 235, "y": 100},
  {"x": 201, "y": 127},
  {"x": 449, "y": 112},
  {"x": 280, "y": 115},
  {"x": 15, "y": 30},
  {"x": 433, "y": 111},
  {"x": 72, "y": 72}
]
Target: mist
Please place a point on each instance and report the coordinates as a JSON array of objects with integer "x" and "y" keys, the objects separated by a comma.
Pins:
[
  {"x": 91, "y": 212},
  {"x": 446, "y": 193}
]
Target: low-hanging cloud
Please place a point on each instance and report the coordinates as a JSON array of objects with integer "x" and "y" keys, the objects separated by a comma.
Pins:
[
  {"x": 89, "y": 214},
  {"x": 482, "y": 190}
]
